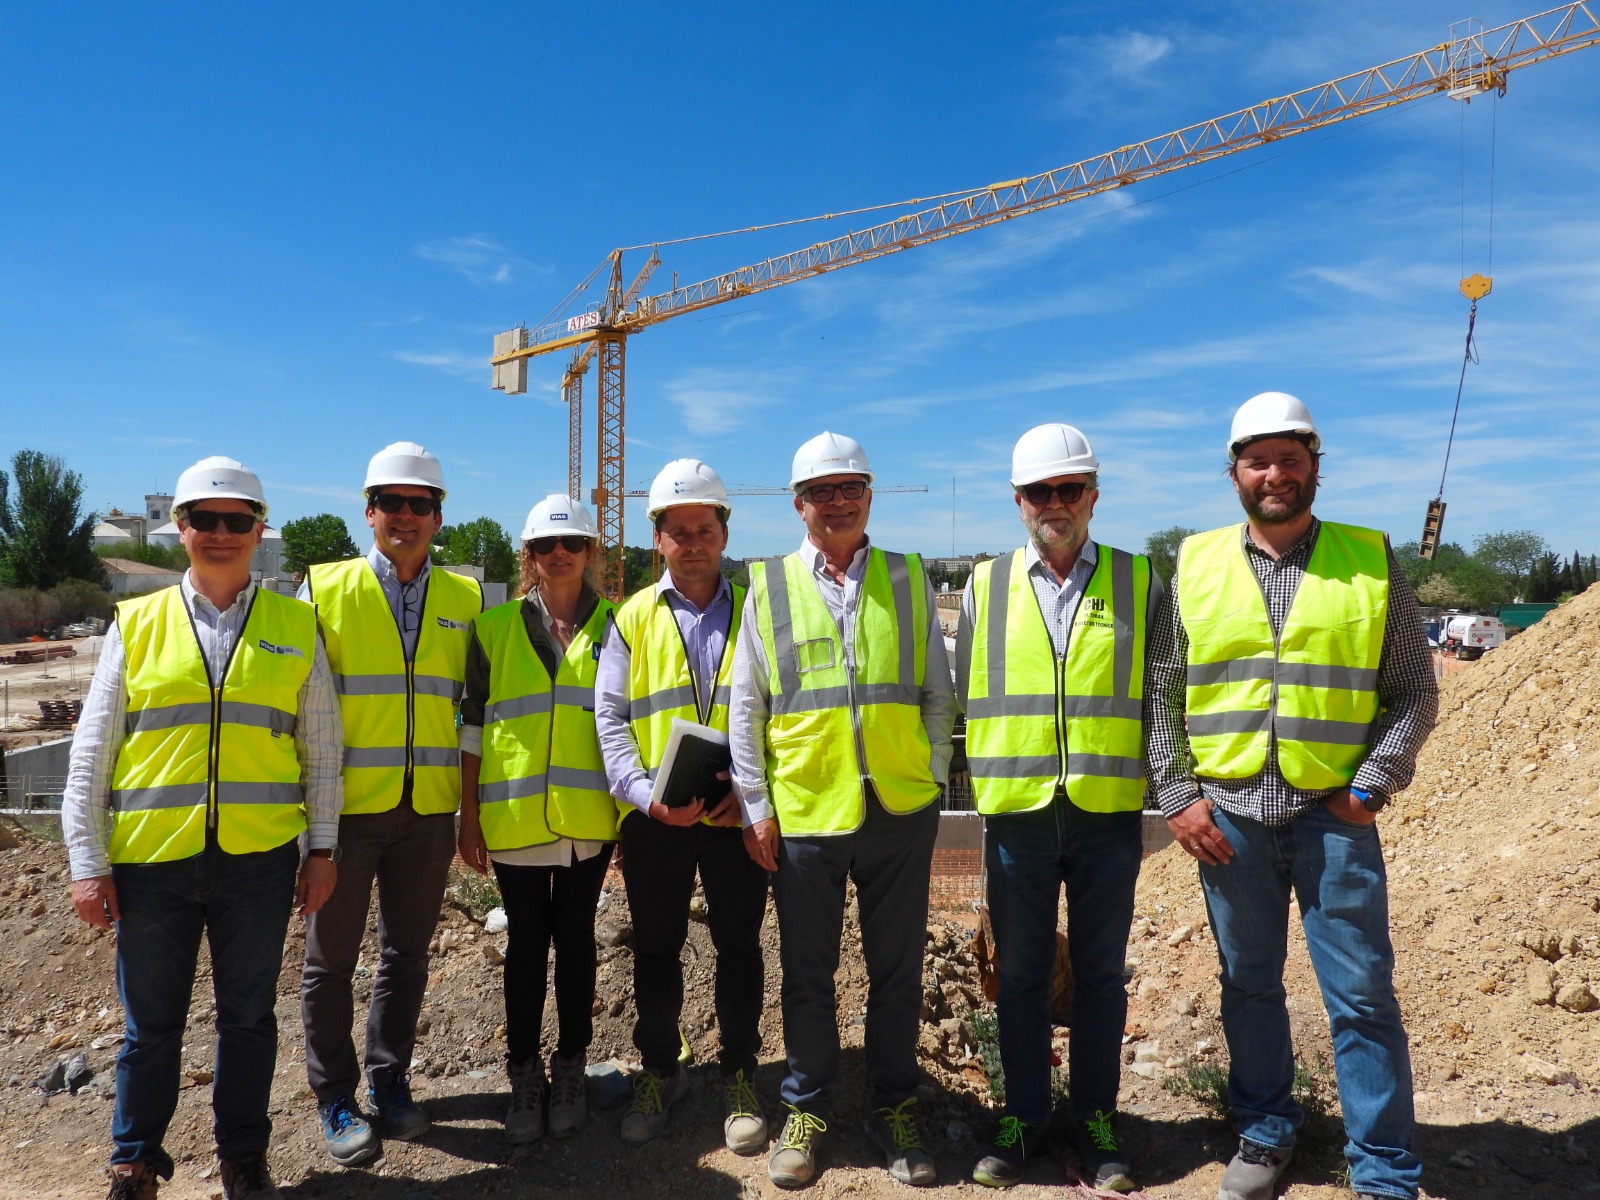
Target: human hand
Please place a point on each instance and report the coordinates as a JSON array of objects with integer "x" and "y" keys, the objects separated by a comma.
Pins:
[
  {"x": 1197, "y": 833},
  {"x": 470, "y": 844},
  {"x": 318, "y": 874},
  {"x": 1348, "y": 809},
  {"x": 761, "y": 843},
  {"x": 726, "y": 813},
  {"x": 685, "y": 814},
  {"x": 96, "y": 901}
]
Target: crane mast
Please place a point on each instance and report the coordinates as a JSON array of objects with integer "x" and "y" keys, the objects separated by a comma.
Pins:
[{"x": 1464, "y": 67}]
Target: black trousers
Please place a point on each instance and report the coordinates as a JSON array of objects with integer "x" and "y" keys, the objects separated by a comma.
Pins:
[
  {"x": 545, "y": 906},
  {"x": 658, "y": 865}
]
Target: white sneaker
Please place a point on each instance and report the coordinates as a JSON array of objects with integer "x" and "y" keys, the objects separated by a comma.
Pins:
[{"x": 744, "y": 1129}]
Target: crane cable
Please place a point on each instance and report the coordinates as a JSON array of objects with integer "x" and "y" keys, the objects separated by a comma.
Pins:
[{"x": 1470, "y": 356}]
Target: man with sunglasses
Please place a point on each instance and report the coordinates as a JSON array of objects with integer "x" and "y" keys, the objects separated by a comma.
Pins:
[
  {"x": 840, "y": 730},
  {"x": 209, "y": 743},
  {"x": 668, "y": 655},
  {"x": 1049, "y": 669},
  {"x": 1290, "y": 692},
  {"x": 397, "y": 633}
]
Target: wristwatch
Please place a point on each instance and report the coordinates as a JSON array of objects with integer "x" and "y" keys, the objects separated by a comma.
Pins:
[
  {"x": 333, "y": 854},
  {"x": 1371, "y": 801}
]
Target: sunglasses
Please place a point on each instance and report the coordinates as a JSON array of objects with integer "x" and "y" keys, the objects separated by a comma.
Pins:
[
  {"x": 390, "y": 503},
  {"x": 206, "y": 521},
  {"x": 823, "y": 492},
  {"x": 1038, "y": 494},
  {"x": 570, "y": 542}
]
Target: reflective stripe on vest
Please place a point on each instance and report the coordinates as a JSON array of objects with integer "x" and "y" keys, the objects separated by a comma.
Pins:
[
  {"x": 396, "y": 715},
  {"x": 1313, "y": 687},
  {"x": 812, "y": 768},
  {"x": 661, "y": 686},
  {"x": 1035, "y": 722},
  {"x": 542, "y": 776},
  {"x": 190, "y": 750}
]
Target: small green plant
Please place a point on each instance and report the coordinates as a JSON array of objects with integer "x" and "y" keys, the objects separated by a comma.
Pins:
[
  {"x": 984, "y": 1029},
  {"x": 473, "y": 894},
  {"x": 1205, "y": 1083}
]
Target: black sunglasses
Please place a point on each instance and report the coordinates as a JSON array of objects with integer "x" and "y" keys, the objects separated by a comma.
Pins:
[
  {"x": 1039, "y": 494},
  {"x": 570, "y": 542},
  {"x": 204, "y": 520},
  {"x": 391, "y": 503},
  {"x": 821, "y": 493}
]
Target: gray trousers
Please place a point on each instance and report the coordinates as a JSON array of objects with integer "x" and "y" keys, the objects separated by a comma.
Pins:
[
  {"x": 889, "y": 858},
  {"x": 409, "y": 858}
]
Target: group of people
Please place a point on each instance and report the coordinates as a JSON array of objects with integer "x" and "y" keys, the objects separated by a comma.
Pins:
[{"x": 242, "y": 754}]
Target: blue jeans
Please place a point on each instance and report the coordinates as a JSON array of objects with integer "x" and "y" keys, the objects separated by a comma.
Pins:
[
  {"x": 1029, "y": 856},
  {"x": 1336, "y": 872},
  {"x": 241, "y": 903}
]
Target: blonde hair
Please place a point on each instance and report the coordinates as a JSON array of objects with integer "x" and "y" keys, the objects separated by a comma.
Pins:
[{"x": 529, "y": 575}]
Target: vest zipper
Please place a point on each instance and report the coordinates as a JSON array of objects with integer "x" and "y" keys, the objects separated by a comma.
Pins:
[
  {"x": 214, "y": 738},
  {"x": 1277, "y": 647}
]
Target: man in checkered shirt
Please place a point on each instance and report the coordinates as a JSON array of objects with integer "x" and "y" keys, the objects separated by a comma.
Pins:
[{"x": 1289, "y": 691}]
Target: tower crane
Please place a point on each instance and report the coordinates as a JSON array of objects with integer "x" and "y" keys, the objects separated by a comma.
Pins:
[{"x": 1464, "y": 67}]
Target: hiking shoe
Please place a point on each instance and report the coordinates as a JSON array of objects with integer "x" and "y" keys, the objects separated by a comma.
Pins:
[
  {"x": 793, "y": 1162},
  {"x": 1253, "y": 1171},
  {"x": 245, "y": 1177},
  {"x": 399, "y": 1116},
  {"x": 569, "y": 1106},
  {"x": 133, "y": 1181},
  {"x": 1105, "y": 1167},
  {"x": 744, "y": 1129},
  {"x": 525, "y": 1116},
  {"x": 346, "y": 1133},
  {"x": 893, "y": 1129},
  {"x": 1006, "y": 1160},
  {"x": 653, "y": 1098}
]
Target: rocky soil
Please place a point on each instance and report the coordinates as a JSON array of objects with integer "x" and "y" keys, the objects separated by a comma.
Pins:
[{"x": 1495, "y": 880}]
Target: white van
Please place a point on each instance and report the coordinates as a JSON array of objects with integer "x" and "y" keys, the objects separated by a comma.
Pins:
[{"x": 1468, "y": 635}]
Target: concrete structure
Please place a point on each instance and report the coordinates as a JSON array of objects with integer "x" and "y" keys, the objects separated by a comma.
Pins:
[
  {"x": 129, "y": 578},
  {"x": 107, "y": 534}
]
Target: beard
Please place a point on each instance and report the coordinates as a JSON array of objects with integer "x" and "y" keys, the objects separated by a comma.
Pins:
[
  {"x": 1054, "y": 532},
  {"x": 1281, "y": 508}
]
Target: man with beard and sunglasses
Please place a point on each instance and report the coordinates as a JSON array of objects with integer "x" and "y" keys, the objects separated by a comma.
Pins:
[
  {"x": 1289, "y": 691},
  {"x": 397, "y": 632},
  {"x": 209, "y": 743},
  {"x": 1050, "y": 671}
]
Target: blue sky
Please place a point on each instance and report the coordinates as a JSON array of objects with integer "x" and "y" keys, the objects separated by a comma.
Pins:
[{"x": 289, "y": 233}]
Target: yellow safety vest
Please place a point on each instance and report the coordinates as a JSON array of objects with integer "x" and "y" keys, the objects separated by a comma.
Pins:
[
  {"x": 1313, "y": 687},
  {"x": 195, "y": 754},
  {"x": 542, "y": 776},
  {"x": 1035, "y": 722},
  {"x": 399, "y": 716},
  {"x": 812, "y": 767},
  {"x": 660, "y": 684}
]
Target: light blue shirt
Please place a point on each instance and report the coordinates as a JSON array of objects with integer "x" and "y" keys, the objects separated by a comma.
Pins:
[
  {"x": 705, "y": 640},
  {"x": 405, "y": 599}
]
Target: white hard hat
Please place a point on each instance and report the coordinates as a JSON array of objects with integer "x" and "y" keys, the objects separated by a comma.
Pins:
[
  {"x": 829, "y": 454},
  {"x": 1046, "y": 451},
  {"x": 219, "y": 478},
  {"x": 404, "y": 463},
  {"x": 1272, "y": 414},
  {"x": 686, "y": 481},
  {"x": 559, "y": 514}
]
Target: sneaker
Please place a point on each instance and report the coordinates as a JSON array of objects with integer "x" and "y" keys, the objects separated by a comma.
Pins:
[
  {"x": 399, "y": 1116},
  {"x": 1105, "y": 1167},
  {"x": 346, "y": 1133},
  {"x": 245, "y": 1177},
  {"x": 1253, "y": 1172},
  {"x": 569, "y": 1106},
  {"x": 653, "y": 1098},
  {"x": 793, "y": 1162},
  {"x": 133, "y": 1181},
  {"x": 1014, "y": 1145},
  {"x": 525, "y": 1117},
  {"x": 893, "y": 1129},
  {"x": 744, "y": 1129}
]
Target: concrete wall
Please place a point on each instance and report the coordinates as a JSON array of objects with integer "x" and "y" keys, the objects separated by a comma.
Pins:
[{"x": 41, "y": 770}]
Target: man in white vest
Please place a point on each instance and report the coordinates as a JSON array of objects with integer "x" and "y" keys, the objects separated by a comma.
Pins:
[
  {"x": 1290, "y": 689},
  {"x": 1050, "y": 671}
]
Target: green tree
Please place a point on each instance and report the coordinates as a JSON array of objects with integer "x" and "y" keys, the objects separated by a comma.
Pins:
[
  {"x": 78, "y": 600},
  {"x": 1511, "y": 556},
  {"x": 1162, "y": 547},
  {"x": 308, "y": 541},
  {"x": 480, "y": 542},
  {"x": 45, "y": 536},
  {"x": 1438, "y": 592},
  {"x": 152, "y": 554}
]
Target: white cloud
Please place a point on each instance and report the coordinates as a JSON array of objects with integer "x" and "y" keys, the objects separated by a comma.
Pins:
[
  {"x": 713, "y": 401},
  {"x": 479, "y": 259}
]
